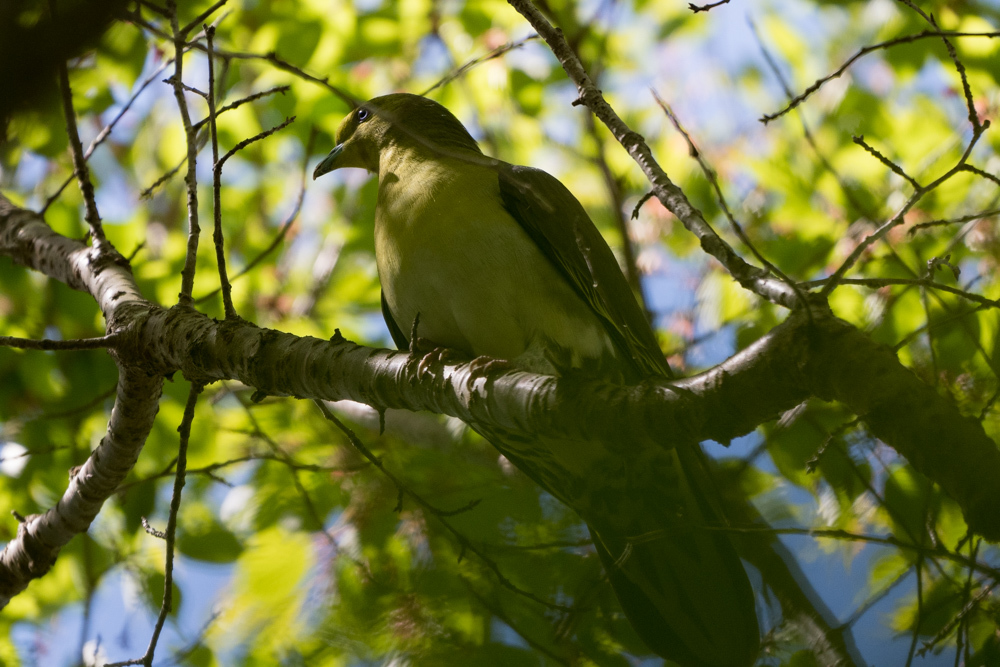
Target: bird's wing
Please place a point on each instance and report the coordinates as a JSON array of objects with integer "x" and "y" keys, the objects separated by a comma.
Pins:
[
  {"x": 559, "y": 225},
  {"x": 398, "y": 337}
]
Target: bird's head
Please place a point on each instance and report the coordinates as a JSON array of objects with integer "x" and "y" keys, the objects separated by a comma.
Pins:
[{"x": 400, "y": 119}]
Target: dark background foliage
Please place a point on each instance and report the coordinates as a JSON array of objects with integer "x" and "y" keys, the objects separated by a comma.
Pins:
[{"x": 293, "y": 548}]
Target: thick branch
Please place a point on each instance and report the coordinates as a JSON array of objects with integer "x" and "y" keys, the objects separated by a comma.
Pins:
[
  {"x": 25, "y": 238},
  {"x": 106, "y": 276},
  {"x": 948, "y": 447},
  {"x": 802, "y": 357},
  {"x": 826, "y": 358},
  {"x": 41, "y": 536}
]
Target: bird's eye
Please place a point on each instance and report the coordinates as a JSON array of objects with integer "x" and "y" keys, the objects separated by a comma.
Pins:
[{"x": 363, "y": 115}]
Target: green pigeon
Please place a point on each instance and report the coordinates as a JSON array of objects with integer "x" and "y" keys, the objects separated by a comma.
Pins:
[{"x": 502, "y": 261}]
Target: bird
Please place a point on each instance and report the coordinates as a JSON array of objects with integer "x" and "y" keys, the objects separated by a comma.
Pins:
[{"x": 500, "y": 261}]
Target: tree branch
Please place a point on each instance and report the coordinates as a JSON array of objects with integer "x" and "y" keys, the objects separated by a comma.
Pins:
[
  {"x": 752, "y": 278},
  {"x": 822, "y": 357},
  {"x": 905, "y": 39},
  {"x": 41, "y": 536},
  {"x": 92, "y": 217},
  {"x": 106, "y": 276}
]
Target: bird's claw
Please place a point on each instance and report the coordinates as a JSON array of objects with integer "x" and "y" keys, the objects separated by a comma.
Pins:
[
  {"x": 430, "y": 353},
  {"x": 483, "y": 367},
  {"x": 416, "y": 342},
  {"x": 421, "y": 346},
  {"x": 436, "y": 355}
]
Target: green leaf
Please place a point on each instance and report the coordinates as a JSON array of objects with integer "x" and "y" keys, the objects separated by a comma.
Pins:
[{"x": 202, "y": 537}]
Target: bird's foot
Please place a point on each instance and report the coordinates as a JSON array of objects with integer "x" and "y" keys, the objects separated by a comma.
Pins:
[
  {"x": 430, "y": 352},
  {"x": 483, "y": 367},
  {"x": 437, "y": 355},
  {"x": 421, "y": 346}
]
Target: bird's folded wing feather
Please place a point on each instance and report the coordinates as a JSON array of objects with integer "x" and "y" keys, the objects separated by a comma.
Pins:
[
  {"x": 398, "y": 337},
  {"x": 560, "y": 226}
]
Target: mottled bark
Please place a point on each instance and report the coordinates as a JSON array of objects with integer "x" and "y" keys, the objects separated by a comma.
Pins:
[{"x": 805, "y": 356}]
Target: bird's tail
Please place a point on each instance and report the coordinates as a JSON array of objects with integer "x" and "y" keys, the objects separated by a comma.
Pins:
[
  {"x": 655, "y": 516},
  {"x": 677, "y": 577}
]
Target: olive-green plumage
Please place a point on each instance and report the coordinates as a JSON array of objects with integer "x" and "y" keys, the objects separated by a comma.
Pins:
[{"x": 503, "y": 261}]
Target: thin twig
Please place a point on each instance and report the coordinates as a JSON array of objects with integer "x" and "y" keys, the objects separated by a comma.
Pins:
[
  {"x": 497, "y": 610},
  {"x": 159, "y": 534},
  {"x": 243, "y": 100},
  {"x": 283, "y": 230},
  {"x": 100, "y": 342},
  {"x": 973, "y": 336},
  {"x": 191, "y": 178},
  {"x": 71, "y": 412},
  {"x": 191, "y": 89},
  {"x": 899, "y": 216},
  {"x": 90, "y": 581},
  {"x": 721, "y": 198},
  {"x": 614, "y": 189},
  {"x": 272, "y": 57},
  {"x": 959, "y": 617},
  {"x": 906, "y": 39},
  {"x": 495, "y": 53},
  {"x": 813, "y": 462},
  {"x": 860, "y": 207},
  {"x": 925, "y": 303},
  {"x": 175, "y": 504},
  {"x": 875, "y": 283},
  {"x": 286, "y": 458},
  {"x": 203, "y": 136},
  {"x": 989, "y": 404},
  {"x": 840, "y": 534},
  {"x": 979, "y": 172},
  {"x": 155, "y": 7},
  {"x": 106, "y": 131},
  {"x": 905, "y": 340},
  {"x": 211, "y": 469},
  {"x": 219, "y": 239},
  {"x": 967, "y": 594},
  {"x": 866, "y": 481},
  {"x": 542, "y": 546},
  {"x": 874, "y": 599},
  {"x": 704, "y": 8},
  {"x": 642, "y": 200},
  {"x": 970, "y": 104},
  {"x": 404, "y": 490},
  {"x": 225, "y": 285},
  {"x": 257, "y": 137},
  {"x": 895, "y": 168},
  {"x": 915, "y": 634},
  {"x": 953, "y": 221},
  {"x": 171, "y": 532},
  {"x": 181, "y": 655},
  {"x": 201, "y": 18},
  {"x": 148, "y": 192},
  {"x": 80, "y": 168}
]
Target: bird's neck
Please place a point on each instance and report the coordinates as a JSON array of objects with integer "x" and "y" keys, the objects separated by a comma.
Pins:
[
  {"x": 406, "y": 163},
  {"x": 405, "y": 157},
  {"x": 412, "y": 176}
]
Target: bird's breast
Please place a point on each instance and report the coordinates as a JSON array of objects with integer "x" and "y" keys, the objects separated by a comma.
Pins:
[{"x": 448, "y": 250}]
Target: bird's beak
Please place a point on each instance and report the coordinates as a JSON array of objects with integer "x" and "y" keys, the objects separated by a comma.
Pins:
[{"x": 329, "y": 163}]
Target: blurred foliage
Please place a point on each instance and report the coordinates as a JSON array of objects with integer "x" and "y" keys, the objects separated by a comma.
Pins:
[{"x": 322, "y": 563}]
